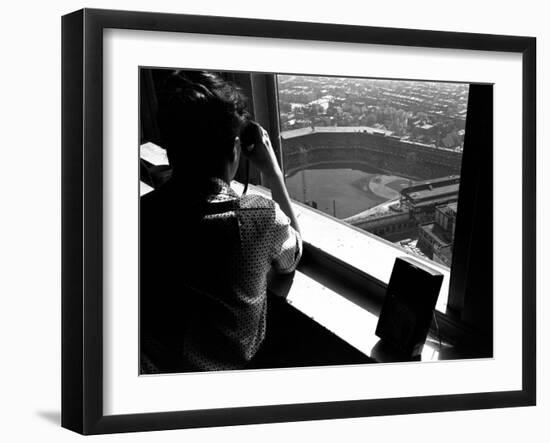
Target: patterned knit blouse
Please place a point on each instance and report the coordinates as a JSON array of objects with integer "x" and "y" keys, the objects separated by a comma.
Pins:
[{"x": 203, "y": 269}]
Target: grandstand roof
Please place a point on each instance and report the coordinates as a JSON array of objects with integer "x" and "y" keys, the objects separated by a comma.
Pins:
[{"x": 293, "y": 133}]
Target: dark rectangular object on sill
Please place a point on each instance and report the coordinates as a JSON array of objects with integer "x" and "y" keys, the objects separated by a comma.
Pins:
[{"x": 408, "y": 306}]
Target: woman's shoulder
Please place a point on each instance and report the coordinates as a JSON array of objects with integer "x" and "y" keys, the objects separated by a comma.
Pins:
[
  {"x": 258, "y": 209},
  {"x": 252, "y": 202}
]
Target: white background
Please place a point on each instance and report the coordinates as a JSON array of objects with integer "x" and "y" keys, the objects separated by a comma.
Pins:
[
  {"x": 126, "y": 393},
  {"x": 30, "y": 221}
]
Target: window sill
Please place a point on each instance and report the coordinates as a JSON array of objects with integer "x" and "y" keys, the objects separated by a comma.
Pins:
[
  {"x": 335, "y": 308},
  {"x": 365, "y": 254}
]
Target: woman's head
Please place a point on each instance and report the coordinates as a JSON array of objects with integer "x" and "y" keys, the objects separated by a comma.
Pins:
[{"x": 200, "y": 115}]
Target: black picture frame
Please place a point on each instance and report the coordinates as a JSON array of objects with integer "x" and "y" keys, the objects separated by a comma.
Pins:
[{"x": 82, "y": 220}]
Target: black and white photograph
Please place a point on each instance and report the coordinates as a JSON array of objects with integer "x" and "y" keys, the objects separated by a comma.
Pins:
[{"x": 274, "y": 208}]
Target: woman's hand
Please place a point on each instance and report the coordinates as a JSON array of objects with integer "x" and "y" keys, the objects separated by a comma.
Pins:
[
  {"x": 261, "y": 152},
  {"x": 262, "y": 155}
]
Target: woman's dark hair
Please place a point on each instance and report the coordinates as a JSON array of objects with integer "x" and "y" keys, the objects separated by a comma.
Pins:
[{"x": 199, "y": 116}]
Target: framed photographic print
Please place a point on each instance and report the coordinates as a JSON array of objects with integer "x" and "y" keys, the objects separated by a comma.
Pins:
[{"x": 270, "y": 221}]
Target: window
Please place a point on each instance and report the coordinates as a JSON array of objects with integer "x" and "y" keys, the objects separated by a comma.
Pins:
[
  {"x": 382, "y": 155},
  {"x": 462, "y": 237}
]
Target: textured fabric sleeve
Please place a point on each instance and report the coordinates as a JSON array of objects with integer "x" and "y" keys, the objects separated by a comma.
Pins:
[{"x": 287, "y": 243}]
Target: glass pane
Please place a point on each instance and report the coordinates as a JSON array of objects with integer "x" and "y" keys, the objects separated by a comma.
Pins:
[{"x": 381, "y": 155}]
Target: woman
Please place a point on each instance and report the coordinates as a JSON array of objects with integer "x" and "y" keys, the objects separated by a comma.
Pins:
[{"x": 206, "y": 251}]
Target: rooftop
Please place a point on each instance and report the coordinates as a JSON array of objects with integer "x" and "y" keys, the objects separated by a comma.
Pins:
[
  {"x": 434, "y": 193},
  {"x": 437, "y": 233},
  {"x": 449, "y": 207},
  {"x": 293, "y": 133}
]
